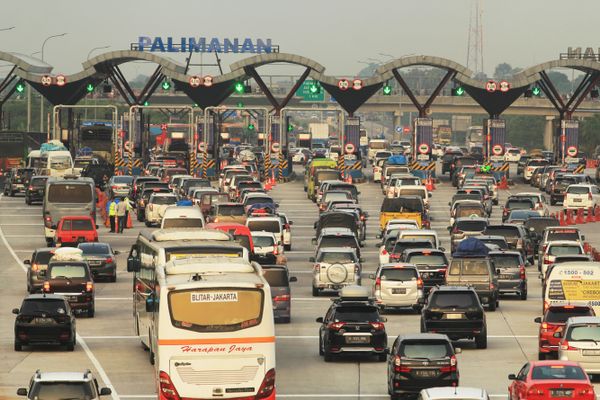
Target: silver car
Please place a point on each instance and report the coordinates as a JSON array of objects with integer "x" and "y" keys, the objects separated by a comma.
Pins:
[
  {"x": 335, "y": 268},
  {"x": 581, "y": 343}
]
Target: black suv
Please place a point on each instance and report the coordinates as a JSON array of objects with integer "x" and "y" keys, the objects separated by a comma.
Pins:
[
  {"x": 431, "y": 263},
  {"x": 44, "y": 319},
  {"x": 421, "y": 361},
  {"x": 36, "y": 189},
  {"x": 456, "y": 312},
  {"x": 352, "y": 325},
  {"x": 38, "y": 263}
]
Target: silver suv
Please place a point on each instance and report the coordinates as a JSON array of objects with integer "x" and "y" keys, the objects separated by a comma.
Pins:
[
  {"x": 71, "y": 385},
  {"x": 334, "y": 268}
]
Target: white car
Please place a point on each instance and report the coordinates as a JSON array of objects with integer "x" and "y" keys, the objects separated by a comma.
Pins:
[
  {"x": 287, "y": 231},
  {"x": 580, "y": 342},
  {"x": 175, "y": 180},
  {"x": 268, "y": 223},
  {"x": 378, "y": 169},
  {"x": 396, "y": 182},
  {"x": 267, "y": 249},
  {"x": 398, "y": 285},
  {"x": 453, "y": 393},
  {"x": 335, "y": 268},
  {"x": 539, "y": 200},
  {"x": 581, "y": 196},
  {"x": 558, "y": 248},
  {"x": 512, "y": 155},
  {"x": 155, "y": 209}
]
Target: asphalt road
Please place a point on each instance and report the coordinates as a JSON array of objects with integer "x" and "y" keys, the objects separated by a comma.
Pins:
[{"x": 107, "y": 345}]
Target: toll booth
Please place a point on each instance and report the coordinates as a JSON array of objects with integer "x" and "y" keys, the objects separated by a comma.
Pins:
[
  {"x": 280, "y": 156},
  {"x": 208, "y": 161},
  {"x": 423, "y": 164},
  {"x": 567, "y": 145},
  {"x": 352, "y": 158},
  {"x": 493, "y": 148}
]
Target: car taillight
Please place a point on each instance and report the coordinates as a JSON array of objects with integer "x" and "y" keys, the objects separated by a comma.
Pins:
[
  {"x": 455, "y": 229},
  {"x": 275, "y": 251},
  {"x": 419, "y": 283},
  {"x": 544, "y": 326},
  {"x": 113, "y": 187},
  {"x": 89, "y": 286},
  {"x": 46, "y": 286},
  {"x": 452, "y": 367},
  {"x": 535, "y": 391},
  {"x": 35, "y": 267},
  {"x": 565, "y": 346},
  {"x": 30, "y": 188},
  {"x": 267, "y": 386},
  {"x": 286, "y": 227},
  {"x": 378, "y": 326},
  {"x": 384, "y": 252},
  {"x": 336, "y": 326},
  {"x": 586, "y": 391},
  {"x": 522, "y": 274},
  {"x": 109, "y": 260},
  {"x": 492, "y": 286},
  {"x": 317, "y": 267},
  {"x": 398, "y": 365},
  {"x": 283, "y": 297},
  {"x": 378, "y": 284},
  {"x": 167, "y": 389},
  {"x": 546, "y": 261}
]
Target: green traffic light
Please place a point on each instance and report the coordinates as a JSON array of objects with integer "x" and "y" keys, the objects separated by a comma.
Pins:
[
  {"x": 239, "y": 87},
  {"x": 90, "y": 88},
  {"x": 20, "y": 87},
  {"x": 250, "y": 127},
  {"x": 536, "y": 91},
  {"x": 459, "y": 91},
  {"x": 166, "y": 85},
  {"x": 290, "y": 128},
  {"x": 387, "y": 90},
  {"x": 146, "y": 104}
]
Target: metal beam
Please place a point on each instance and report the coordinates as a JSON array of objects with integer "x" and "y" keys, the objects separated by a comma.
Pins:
[
  {"x": 130, "y": 102},
  {"x": 116, "y": 71},
  {"x": 8, "y": 79},
  {"x": 151, "y": 85},
  {"x": 581, "y": 87},
  {"x": 296, "y": 86},
  {"x": 252, "y": 72},
  {"x": 583, "y": 95},
  {"x": 407, "y": 90},
  {"x": 150, "y": 90},
  {"x": 449, "y": 75},
  {"x": 553, "y": 90},
  {"x": 550, "y": 97}
]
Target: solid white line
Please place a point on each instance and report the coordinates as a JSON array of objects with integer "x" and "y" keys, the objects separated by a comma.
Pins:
[
  {"x": 82, "y": 342},
  {"x": 153, "y": 396}
]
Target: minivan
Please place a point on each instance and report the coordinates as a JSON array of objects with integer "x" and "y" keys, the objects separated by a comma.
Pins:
[{"x": 279, "y": 279}]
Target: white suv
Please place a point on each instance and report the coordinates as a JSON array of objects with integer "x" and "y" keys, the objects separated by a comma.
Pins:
[
  {"x": 70, "y": 385},
  {"x": 398, "y": 285},
  {"x": 155, "y": 209},
  {"x": 581, "y": 196},
  {"x": 334, "y": 268}
]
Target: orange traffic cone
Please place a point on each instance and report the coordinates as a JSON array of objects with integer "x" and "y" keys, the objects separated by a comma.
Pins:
[
  {"x": 597, "y": 213},
  {"x": 590, "y": 215},
  {"x": 129, "y": 224},
  {"x": 569, "y": 220},
  {"x": 579, "y": 219},
  {"x": 428, "y": 185},
  {"x": 561, "y": 218},
  {"x": 432, "y": 184}
]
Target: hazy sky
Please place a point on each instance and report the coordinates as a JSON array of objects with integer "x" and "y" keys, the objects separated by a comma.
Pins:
[{"x": 335, "y": 33}]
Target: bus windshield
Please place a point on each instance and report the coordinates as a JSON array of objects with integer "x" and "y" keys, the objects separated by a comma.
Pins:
[
  {"x": 216, "y": 309},
  {"x": 66, "y": 193}
]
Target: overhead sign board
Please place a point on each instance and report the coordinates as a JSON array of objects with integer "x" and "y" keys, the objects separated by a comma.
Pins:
[
  {"x": 307, "y": 92},
  {"x": 169, "y": 44}
]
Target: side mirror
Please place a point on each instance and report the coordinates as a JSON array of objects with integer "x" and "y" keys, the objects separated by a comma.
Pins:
[
  {"x": 15, "y": 311},
  {"x": 361, "y": 259},
  {"x": 429, "y": 194},
  {"x": 383, "y": 319},
  {"x": 53, "y": 227},
  {"x": 315, "y": 225},
  {"x": 457, "y": 350},
  {"x": 442, "y": 248},
  {"x": 512, "y": 377},
  {"x": 105, "y": 392},
  {"x": 450, "y": 204},
  {"x": 497, "y": 271},
  {"x": 357, "y": 193},
  {"x": 320, "y": 320},
  {"x": 293, "y": 279},
  {"x": 116, "y": 252},
  {"x": 582, "y": 237},
  {"x": 311, "y": 259},
  {"x": 314, "y": 241},
  {"x": 366, "y": 214},
  {"x": 22, "y": 392},
  {"x": 28, "y": 262},
  {"x": 538, "y": 320}
]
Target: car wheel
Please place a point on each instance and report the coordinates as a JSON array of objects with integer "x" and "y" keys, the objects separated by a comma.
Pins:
[
  {"x": 328, "y": 357},
  {"x": 382, "y": 357},
  {"x": 315, "y": 291},
  {"x": 91, "y": 311},
  {"x": 113, "y": 278},
  {"x": 18, "y": 345},
  {"x": 523, "y": 295},
  {"x": 423, "y": 328},
  {"x": 492, "y": 305},
  {"x": 481, "y": 340},
  {"x": 287, "y": 247},
  {"x": 71, "y": 346},
  {"x": 321, "y": 352}
]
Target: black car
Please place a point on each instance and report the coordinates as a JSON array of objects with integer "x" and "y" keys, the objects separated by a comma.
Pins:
[
  {"x": 448, "y": 161},
  {"x": 102, "y": 260},
  {"x": 72, "y": 279},
  {"x": 44, "y": 319},
  {"x": 517, "y": 238},
  {"x": 421, "y": 361},
  {"x": 38, "y": 262},
  {"x": 431, "y": 263},
  {"x": 457, "y": 312},
  {"x": 36, "y": 189},
  {"x": 352, "y": 325},
  {"x": 17, "y": 180}
]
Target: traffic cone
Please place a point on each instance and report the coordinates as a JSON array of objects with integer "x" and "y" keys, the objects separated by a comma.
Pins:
[
  {"x": 129, "y": 224},
  {"x": 590, "y": 215},
  {"x": 428, "y": 185},
  {"x": 568, "y": 220},
  {"x": 587, "y": 248},
  {"x": 433, "y": 184},
  {"x": 561, "y": 218},
  {"x": 579, "y": 219},
  {"x": 597, "y": 213}
]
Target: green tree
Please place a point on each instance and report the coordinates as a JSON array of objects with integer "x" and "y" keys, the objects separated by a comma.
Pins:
[
  {"x": 560, "y": 81},
  {"x": 503, "y": 71},
  {"x": 525, "y": 131},
  {"x": 589, "y": 134}
]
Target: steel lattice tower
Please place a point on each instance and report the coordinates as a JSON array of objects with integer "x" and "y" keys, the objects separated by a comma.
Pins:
[{"x": 475, "y": 40}]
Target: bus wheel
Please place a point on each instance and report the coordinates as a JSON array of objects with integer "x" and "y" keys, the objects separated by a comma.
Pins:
[{"x": 151, "y": 355}]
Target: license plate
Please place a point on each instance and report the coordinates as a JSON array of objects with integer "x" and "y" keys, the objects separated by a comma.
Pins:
[
  {"x": 399, "y": 291},
  {"x": 72, "y": 298},
  {"x": 454, "y": 316},
  {"x": 561, "y": 392},
  {"x": 95, "y": 263},
  {"x": 506, "y": 277},
  {"x": 39, "y": 320},
  {"x": 590, "y": 352},
  {"x": 577, "y": 200},
  {"x": 426, "y": 373},
  {"x": 357, "y": 339}
]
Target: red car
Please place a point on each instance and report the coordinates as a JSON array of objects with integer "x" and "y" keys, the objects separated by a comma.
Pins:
[
  {"x": 553, "y": 321},
  {"x": 74, "y": 230},
  {"x": 552, "y": 380}
]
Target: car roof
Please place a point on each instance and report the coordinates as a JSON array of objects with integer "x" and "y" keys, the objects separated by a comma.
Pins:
[
  {"x": 553, "y": 362},
  {"x": 337, "y": 250},
  {"x": 63, "y": 376},
  {"x": 409, "y": 251},
  {"x": 583, "y": 320},
  {"x": 564, "y": 242},
  {"x": 504, "y": 252},
  {"x": 44, "y": 296},
  {"x": 423, "y": 336},
  {"x": 336, "y": 230},
  {"x": 462, "y": 393},
  {"x": 419, "y": 232},
  {"x": 460, "y": 219},
  {"x": 496, "y": 237}
]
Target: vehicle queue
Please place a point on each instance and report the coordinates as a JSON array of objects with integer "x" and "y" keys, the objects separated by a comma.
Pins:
[{"x": 210, "y": 282}]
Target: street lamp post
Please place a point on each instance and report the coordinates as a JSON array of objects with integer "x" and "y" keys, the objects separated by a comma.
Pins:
[
  {"x": 29, "y": 100},
  {"x": 96, "y": 48},
  {"x": 41, "y": 97},
  {"x": 7, "y": 29}
]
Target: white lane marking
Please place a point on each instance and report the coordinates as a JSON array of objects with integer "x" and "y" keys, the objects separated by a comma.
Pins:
[
  {"x": 21, "y": 224},
  {"x": 81, "y": 341},
  {"x": 299, "y": 337},
  {"x": 153, "y": 396}
]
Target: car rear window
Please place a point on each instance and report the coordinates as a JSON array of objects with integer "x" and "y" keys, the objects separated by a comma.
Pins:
[
  {"x": 539, "y": 224},
  {"x": 258, "y": 200},
  {"x": 356, "y": 314},
  {"x": 94, "y": 248},
  {"x": 336, "y": 196},
  {"x": 569, "y": 234},
  {"x": 519, "y": 204},
  {"x": 164, "y": 200},
  {"x": 469, "y": 267},
  {"x": 327, "y": 176},
  {"x": 506, "y": 260},
  {"x": 412, "y": 192},
  {"x": 50, "y": 306},
  {"x": 471, "y": 226},
  {"x": 61, "y": 390},
  {"x": 68, "y": 271},
  {"x": 426, "y": 259},
  {"x": 389, "y": 244},
  {"x": 560, "y": 315},
  {"x": 234, "y": 210},
  {"x": 560, "y": 250},
  {"x": 70, "y": 193},
  {"x": 38, "y": 182},
  {"x": 506, "y": 231},
  {"x": 183, "y": 223},
  {"x": 338, "y": 241},
  {"x": 331, "y": 257},
  {"x": 571, "y": 372},
  {"x": 578, "y": 190},
  {"x": 452, "y": 299},
  {"x": 267, "y": 226},
  {"x": 276, "y": 277},
  {"x": 77, "y": 225},
  {"x": 398, "y": 274},
  {"x": 263, "y": 241},
  {"x": 400, "y": 246},
  {"x": 469, "y": 211},
  {"x": 425, "y": 349}
]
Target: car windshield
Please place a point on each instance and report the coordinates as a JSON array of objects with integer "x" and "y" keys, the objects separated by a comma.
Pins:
[
  {"x": 67, "y": 271},
  {"x": 276, "y": 277},
  {"x": 471, "y": 226},
  {"x": 50, "y": 306},
  {"x": 77, "y": 225},
  {"x": 429, "y": 349},
  {"x": 331, "y": 257},
  {"x": 469, "y": 267},
  {"x": 453, "y": 299},
  {"x": 94, "y": 248},
  {"x": 338, "y": 241},
  {"x": 578, "y": 190},
  {"x": 426, "y": 259},
  {"x": 356, "y": 314},
  {"x": 519, "y": 204},
  {"x": 61, "y": 390},
  {"x": 546, "y": 372},
  {"x": 559, "y": 315},
  {"x": 263, "y": 241},
  {"x": 258, "y": 225},
  {"x": 559, "y": 250},
  {"x": 398, "y": 274},
  {"x": 163, "y": 200},
  {"x": 506, "y": 260},
  {"x": 335, "y": 196}
]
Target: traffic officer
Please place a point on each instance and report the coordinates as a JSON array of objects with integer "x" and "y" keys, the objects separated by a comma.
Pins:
[
  {"x": 112, "y": 214},
  {"x": 122, "y": 215}
]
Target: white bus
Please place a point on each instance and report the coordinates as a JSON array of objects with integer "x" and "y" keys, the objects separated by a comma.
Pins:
[
  {"x": 573, "y": 282},
  {"x": 57, "y": 163},
  {"x": 212, "y": 331},
  {"x": 376, "y": 145}
]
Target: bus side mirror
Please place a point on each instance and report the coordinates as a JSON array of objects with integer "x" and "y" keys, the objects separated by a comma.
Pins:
[
  {"x": 150, "y": 304},
  {"x": 133, "y": 261}
]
